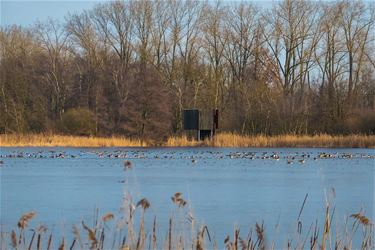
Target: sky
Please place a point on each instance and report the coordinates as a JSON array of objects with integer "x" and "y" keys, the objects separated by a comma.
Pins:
[{"x": 27, "y": 12}]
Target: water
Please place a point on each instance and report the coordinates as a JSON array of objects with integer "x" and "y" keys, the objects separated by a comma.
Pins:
[{"x": 224, "y": 187}]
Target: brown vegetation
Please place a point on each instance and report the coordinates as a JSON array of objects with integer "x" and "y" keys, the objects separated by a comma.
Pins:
[
  {"x": 35, "y": 140},
  {"x": 129, "y": 68},
  {"x": 236, "y": 140},
  {"x": 324, "y": 140},
  {"x": 220, "y": 140}
]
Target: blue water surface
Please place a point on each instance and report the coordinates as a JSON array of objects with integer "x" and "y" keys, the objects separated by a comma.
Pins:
[{"x": 224, "y": 187}]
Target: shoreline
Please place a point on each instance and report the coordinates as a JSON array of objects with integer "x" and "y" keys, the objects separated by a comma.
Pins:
[{"x": 229, "y": 140}]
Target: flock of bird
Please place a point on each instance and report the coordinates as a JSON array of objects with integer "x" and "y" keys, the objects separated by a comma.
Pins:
[{"x": 193, "y": 155}]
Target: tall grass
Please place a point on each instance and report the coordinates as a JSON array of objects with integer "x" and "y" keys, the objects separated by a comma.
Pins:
[
  {"x": 220, "y": 140},
  {"x": 45, "y": 140},
  {"x": 183, "y": 141},
  {"x": 236, "y": 140}
]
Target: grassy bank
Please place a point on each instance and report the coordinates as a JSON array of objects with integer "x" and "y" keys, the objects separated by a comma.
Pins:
[
  {"x": 221, "y": 140},
  {"x": 41, "y": 140},
  {"x": 235, "y": 140}
]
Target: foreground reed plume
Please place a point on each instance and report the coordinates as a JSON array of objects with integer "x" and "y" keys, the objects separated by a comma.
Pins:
[
  {"x": 24, "y": 220},
  {"x": 107, "y": 217},
  {"x": 178, "y": 200},
  {"x": 91, "y": 235},
  {"x": 101, "y": 236},
  {"x": 361, "y": 218},
  {"x": 144, "y": 203},
  {"x": 14, "y": 239}
]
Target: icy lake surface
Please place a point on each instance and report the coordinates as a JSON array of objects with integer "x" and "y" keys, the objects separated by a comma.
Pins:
[{"x": 225, "y": 187}]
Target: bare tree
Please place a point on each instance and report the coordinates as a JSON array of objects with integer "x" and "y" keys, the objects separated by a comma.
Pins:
[
  {"x": 161, "y": 26},
  {"x": 214, "y": 43},
  {"x": 292, "y": 37},
  {"x": 22, "y": 94},
  {"x": 297, "y": 67},
  {"x": 92, "y": 55},
  {"x": 357, "y": 20},
  {"x": 142, "y": 17},
  {"x": 114, "y": 22},
  {"x": 241, "y": 31},
  {"x": 330, "y": 57},
  {"x": 54, "y": 41}
]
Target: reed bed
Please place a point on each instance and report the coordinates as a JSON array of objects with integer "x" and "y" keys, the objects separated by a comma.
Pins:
[
  {"x": 183, "y": 141},
  {"x": 236, "y": 140},
  {"x": 220, "y": 140},
  {"x": 45, "y": 140}
]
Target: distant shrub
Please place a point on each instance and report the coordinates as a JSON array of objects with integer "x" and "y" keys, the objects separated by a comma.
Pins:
[
  {"x": 362, "y": 121},
  {"x": 80, "y": 121}
]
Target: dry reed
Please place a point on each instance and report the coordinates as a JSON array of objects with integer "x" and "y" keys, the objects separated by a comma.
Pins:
[
  {"x": 45, "y": 140},
  {"x": 236, "y": 140},
  {"x": 25, "y": 218},
  {"x": 220, "y": 140},
  {"x": 98, "y": 238},
  {"x": 107, "y": 217}
]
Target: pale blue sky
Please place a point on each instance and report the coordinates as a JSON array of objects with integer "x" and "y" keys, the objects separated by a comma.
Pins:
[{"x": 26, "y": 13}]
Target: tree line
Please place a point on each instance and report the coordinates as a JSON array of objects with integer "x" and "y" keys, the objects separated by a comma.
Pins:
[{"x": 131, "y": 67}]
